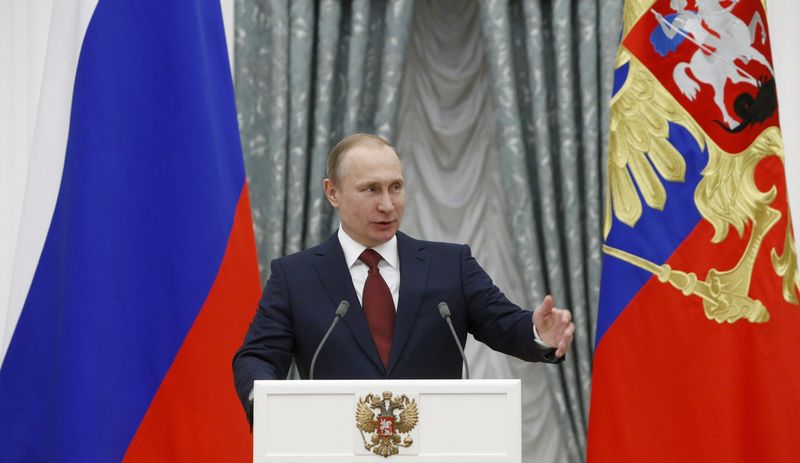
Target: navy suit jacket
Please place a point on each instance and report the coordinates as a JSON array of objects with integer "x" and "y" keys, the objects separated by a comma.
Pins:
[{"x": 304, "y": 289}]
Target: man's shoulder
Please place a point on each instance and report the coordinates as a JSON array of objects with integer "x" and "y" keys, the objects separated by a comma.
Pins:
[
  {"x": 434, "y": 246},
  {"x": 331, "y": 245},
  {"x": 326, "y": 247}
]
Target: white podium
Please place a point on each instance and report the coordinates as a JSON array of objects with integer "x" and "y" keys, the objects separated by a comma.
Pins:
[{"x": 349, "y": 421}]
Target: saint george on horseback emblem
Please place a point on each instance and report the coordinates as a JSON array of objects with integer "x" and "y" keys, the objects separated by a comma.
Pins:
[
  {"x": 704, "y": 66},
  {"x": 724, "y": 47},
  {"x": 713, "y": 57}
]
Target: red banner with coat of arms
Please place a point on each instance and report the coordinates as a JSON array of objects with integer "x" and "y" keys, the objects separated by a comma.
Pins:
[{"x": 698, "y": 330}]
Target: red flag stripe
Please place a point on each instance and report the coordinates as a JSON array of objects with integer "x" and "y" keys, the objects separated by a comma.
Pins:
[{"x": 195, "y": 416}]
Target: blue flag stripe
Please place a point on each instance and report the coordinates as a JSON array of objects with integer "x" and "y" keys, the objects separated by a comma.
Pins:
[{"x": 621, "y": 281}]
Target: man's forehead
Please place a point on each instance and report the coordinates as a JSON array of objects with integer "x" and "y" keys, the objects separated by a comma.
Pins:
[
  {"x": 374, "y": 178},
  {"x": 370, "y": 157},
  {"x": 371, "y": 151}
]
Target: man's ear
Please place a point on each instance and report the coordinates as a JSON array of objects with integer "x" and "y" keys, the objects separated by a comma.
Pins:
[{"x": 331, "y": 192}]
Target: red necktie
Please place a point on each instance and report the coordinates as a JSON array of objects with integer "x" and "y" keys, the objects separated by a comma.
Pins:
[{"x": 378, "y": 306}]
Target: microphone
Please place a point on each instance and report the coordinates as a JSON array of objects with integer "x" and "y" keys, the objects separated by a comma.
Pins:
[
  {"x": 444, "y": 311},
  {"x": 340, "y": 311}
]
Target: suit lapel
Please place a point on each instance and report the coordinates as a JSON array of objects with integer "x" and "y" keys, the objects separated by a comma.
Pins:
[
  {"x": 335, "y": 276},
  {"x": 413, "y": 275}
]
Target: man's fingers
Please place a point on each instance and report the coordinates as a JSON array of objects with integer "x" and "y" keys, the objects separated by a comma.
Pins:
[
  {"x": 569, "y": 333},
  {"x": 566, "y": 340},
  {"x": 555, "y": 325},
  {"x": 547, "y": 305},
  {"x": 561, "y": 317},
  {"x": 542, "y": 315}
]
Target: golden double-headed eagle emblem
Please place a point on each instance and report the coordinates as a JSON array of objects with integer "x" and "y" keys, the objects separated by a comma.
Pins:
[
  {"x": 641, "y": 158},
  {"x": 385, "y": 422}
]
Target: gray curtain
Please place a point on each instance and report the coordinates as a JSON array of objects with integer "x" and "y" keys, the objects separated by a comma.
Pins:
[
  {"x": 446, "y": 136},
  {"x": 308, "y": 72},
  {"x": 552, "y": 64}
]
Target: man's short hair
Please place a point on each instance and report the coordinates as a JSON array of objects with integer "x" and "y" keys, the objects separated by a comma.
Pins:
[{"x": 348, "y": 143}]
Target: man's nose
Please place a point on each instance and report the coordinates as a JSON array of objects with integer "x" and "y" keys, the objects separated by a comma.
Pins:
[{"x": 385, "y": 203}]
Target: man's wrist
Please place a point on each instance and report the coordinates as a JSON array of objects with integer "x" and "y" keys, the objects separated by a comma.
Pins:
[{"x": 538, "y": 338}]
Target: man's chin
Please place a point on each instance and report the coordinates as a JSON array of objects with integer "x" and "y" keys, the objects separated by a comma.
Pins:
[{"x": 382, "y": 234}]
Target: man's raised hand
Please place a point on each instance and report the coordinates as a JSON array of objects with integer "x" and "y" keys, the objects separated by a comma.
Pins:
[{"x": 554, "y": 325}]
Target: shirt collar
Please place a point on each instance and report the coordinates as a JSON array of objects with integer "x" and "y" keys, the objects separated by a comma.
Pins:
[{"x": 352, "y": 249}]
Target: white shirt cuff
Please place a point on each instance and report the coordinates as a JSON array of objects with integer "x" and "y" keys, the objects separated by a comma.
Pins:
[{"x": 538, "y": 339}]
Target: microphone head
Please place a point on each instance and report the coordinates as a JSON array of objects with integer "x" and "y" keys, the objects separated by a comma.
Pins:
[
  {"x": 444, "y": 310},
  {"x": 342, "y": 308}
]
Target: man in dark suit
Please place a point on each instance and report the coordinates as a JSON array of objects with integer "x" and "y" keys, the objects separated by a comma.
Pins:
[{"x": 393, "y": 284}]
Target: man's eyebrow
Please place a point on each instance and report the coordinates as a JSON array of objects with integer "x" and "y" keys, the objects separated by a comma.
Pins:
[
  {"x": 379, "y": 182},
  {"x": 366, "y": 182}
]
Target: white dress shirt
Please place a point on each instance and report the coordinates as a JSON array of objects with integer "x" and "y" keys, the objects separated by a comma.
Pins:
[{"x": 389, "y": 267}]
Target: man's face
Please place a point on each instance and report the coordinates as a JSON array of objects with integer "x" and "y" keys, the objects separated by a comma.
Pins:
[{"x": 370, "y": 194}]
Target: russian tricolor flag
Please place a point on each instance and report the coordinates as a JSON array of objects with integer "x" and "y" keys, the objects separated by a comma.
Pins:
[{"x": 135, "y": 275}]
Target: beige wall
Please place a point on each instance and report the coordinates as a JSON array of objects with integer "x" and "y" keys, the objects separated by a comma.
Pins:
[{"x": 782, "y": 18}]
